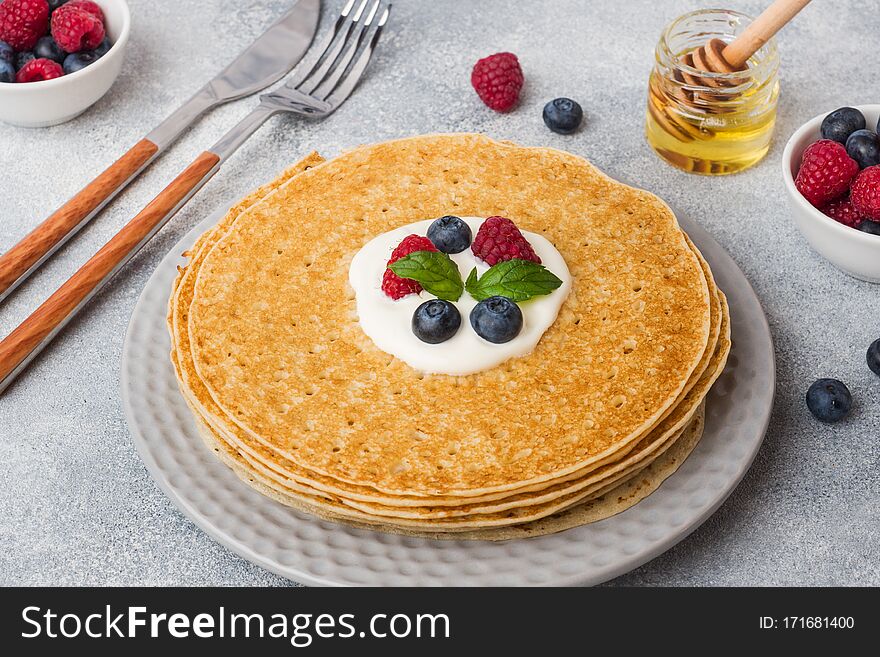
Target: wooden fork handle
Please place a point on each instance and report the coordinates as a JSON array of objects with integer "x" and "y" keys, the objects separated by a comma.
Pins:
[
  {"x": 43, "y": 240},
  {"x": 36, "y": 331}
]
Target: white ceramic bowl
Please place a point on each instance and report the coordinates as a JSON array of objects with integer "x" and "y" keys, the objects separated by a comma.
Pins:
[
  {"x": 39, "y": 104},
  {"x": 851, "y": 250}
]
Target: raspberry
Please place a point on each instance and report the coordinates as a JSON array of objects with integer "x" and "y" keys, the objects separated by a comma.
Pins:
[
  {"x": 826, "y": 172},
  {"x": 497, "y": 79},
  {"x": 39, "y": 69},
  {"x": 89, "y": 6},
  {"x": 842, "y": 210},
  {"x": 499, "y": 239},
  {"x": 392, "y": 284},
  {"x": 76, "y": 29},
  {"x": 22, "y": 22},
  {"x": 866, "y": 193}
]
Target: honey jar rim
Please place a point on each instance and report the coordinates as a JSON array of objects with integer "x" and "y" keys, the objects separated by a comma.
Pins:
[{"x": 768, "y": 55}]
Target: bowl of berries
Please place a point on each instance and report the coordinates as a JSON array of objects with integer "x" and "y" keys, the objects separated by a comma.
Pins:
[
  {"x": 831, "y": 169},
  {"x": 58, "y": 57}
]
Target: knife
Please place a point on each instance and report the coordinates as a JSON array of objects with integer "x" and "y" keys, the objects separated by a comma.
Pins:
[{"x": 264, "y": 62}]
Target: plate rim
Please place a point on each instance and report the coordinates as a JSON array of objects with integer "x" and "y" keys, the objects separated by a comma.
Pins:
[{"x": 292, "y": 573}]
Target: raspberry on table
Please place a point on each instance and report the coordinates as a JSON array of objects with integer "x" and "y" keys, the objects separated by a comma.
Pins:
[
  {"x": 23, "y": 22},
  {"x": 39, "y": 69},
  {"x": 826, "y": 172},
  {"x": 498, "y": 79},
  {"x": 866, "y": 193},
  {"x": 499, "y": 239},
  {"x": 842, "y": 210},
  {"x": 76, "y": 29},
  {"x": 392, "y": 284}
]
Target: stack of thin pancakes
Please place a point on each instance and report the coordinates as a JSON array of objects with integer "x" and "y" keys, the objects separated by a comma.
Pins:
[{"x": 291, "y": 394}]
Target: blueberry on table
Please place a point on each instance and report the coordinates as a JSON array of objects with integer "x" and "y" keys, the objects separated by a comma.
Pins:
[
  {"x": 79, "y": 60},
  {"x": 870, "y": 227},
  {"x": 54, "y": 4},
  {"x": 436, "y": 321},
  {"x": 841, "y": 123},
  {"x": 864, "y": 147},
  {"x": 23, "y": 58},
  {"x": 450, "y": 234},
  {"x": 829, "y": 400},
  {"x": 47, "y": 48},
  {"x": 7, "y": 71},
  {"x": 873, "y": 357},
  {"x": 497, "y": 319},
  {"x": 563, "y": 115}
]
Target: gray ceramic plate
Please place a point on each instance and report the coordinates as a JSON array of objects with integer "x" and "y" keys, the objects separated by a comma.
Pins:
[{"x": 313, "y": 551}]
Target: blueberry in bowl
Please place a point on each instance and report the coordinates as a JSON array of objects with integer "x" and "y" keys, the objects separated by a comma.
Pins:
[
  {"x": 870, "y": 227},
  {"x": 47, "y": 48},
  {"x": 864, "y": 147},
  {"x": 76, "y": 61},
  {"x": 841, "y": 123}
]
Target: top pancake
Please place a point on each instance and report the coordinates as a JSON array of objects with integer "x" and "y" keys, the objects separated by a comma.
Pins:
[{"x": 275, "y": 341}]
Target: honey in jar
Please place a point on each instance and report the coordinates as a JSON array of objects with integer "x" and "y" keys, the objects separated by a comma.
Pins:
[{"x": 710, "y": 123}]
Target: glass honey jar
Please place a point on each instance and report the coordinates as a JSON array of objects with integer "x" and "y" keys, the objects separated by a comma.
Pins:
[{"x": 704, "y": 122}]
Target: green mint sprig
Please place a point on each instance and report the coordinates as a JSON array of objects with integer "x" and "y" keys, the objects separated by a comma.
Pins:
[
  {"x": 518, "y": 280},
  {"x": 435, "y": 271}
]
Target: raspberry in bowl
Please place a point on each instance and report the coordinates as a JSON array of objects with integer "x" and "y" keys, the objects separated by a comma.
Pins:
[
  {"x": 58, "y": 57},
  {"x": 833, "y": 185}
]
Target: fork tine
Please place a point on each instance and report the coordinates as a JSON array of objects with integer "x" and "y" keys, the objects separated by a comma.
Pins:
[
  {"x": 352, "y": 46},
  {"x": 315, "y": 56},
  {"x": 313, "y": 78},
  {"x": 353, "y": 75}
]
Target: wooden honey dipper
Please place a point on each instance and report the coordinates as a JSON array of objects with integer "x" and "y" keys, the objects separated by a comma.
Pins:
[{"x": 720, "y": 57}]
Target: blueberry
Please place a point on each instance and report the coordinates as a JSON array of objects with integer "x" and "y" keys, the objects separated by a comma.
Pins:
[
  {"x": 870, "y": 227},
  {"x": 436, "y": 321},
  {"x": 450, "y": 234},
  {"x": 54, "y": 4},
  {"x": 497, "y": 319},
  {"x": 841, "y": 123},
  {"x": 6, "y": 52},
  {"x": 829, "y": 400},
  {"x": 103, "y": 47},
  {"x": 23, "y": 58},
  {"x": 79, "y": 60},
  {"x": 563, "y": 115},
  {"x": 48, "y": 49},
  {"x": 7, "y": 71},
  {"x": 873, "y": 357},
  {"x": 864, "y": 147}
]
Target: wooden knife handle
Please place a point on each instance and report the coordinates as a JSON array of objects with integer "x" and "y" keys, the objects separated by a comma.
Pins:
[
  {"x": 36, "y": 331},
  {"x": 16, "y": 262}
]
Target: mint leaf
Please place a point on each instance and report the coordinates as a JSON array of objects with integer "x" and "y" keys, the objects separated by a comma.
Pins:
[
  {"x": 516, "y": 279},
  {"x": 435, "y": 271}
]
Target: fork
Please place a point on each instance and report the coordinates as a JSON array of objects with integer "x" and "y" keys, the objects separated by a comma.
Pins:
[{"x": 318, "y": 86}]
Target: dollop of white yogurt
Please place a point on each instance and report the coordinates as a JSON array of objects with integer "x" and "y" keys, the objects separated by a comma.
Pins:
[{"x": 389, "y": 323}]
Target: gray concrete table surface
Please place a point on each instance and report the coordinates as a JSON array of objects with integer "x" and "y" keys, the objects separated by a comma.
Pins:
[{"x": 77, "y": 505}]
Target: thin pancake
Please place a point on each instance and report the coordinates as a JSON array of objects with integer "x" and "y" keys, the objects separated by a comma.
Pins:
[
  {"x": 268, "y": 348},
  {"x": 202, "y": 403}
]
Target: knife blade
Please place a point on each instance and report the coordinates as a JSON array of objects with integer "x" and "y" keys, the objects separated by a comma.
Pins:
[{"x": 264, "y": 62}]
